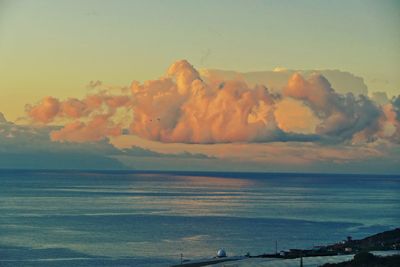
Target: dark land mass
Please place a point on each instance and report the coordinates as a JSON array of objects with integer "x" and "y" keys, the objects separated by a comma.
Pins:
[
  {"x": 366, "y": 259},
  {"x": 389, "y": 240}
]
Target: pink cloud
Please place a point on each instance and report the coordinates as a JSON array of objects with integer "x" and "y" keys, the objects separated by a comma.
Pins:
[{"x": 181, "y": 107}]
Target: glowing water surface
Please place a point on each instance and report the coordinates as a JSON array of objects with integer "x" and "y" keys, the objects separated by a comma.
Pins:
[{"x": 65, "y": 218}]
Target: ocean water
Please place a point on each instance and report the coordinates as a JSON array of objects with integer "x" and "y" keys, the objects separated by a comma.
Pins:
[{"x": 105, "y": 218}]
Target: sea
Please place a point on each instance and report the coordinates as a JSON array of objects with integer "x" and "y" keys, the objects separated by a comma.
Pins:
[{"x": 133, "y": 218}]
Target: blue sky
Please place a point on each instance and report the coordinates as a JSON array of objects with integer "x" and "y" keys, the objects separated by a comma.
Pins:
[{"x": 55, "y": 48}]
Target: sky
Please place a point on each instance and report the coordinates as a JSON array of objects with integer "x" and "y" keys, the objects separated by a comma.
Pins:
[{"x": 69, "y": 49}]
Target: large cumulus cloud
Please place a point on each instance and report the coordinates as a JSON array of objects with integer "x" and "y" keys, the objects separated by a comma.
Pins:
[
  {"x": 342, "y": 116},
  {"x": 185, "y": 108}
]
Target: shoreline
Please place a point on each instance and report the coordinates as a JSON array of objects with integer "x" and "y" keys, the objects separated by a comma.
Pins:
[{"x": 384, "y": 241}]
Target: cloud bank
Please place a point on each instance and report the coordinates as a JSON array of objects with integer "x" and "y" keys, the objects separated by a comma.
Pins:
[
  {"x": 29, "y": 147},
  {"x": 184, "y": 107}
]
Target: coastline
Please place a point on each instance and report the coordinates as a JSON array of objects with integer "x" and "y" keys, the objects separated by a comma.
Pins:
[{"x": 345, "y": 250}]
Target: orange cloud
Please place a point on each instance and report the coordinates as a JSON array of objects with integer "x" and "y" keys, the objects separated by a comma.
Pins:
[
  {"x": 316, "y": 90},
  {"x": 80, "y": 132},
  {"x": 45, "y": 111},
  {"x": 181, "y": 107},
  {"x": 73, "y": 108},
  {"x": 293, "y": 116}
]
